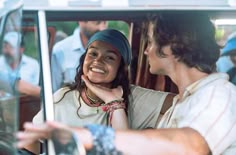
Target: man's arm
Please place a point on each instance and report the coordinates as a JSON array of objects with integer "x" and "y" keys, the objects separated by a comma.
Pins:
[
  {"x": 57, "y": 75},
  {"x": 118, "y": 116},
  {"x": 27, "y": 88},
  {"x": 37, "y": 73},
  {"x": 184, "y": 141}
]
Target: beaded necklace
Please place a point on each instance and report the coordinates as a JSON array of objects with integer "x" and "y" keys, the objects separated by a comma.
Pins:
[{"x": 92, "y": 101}]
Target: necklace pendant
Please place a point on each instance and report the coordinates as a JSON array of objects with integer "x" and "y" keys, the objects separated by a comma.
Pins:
[{"x": 92, "y": 100}]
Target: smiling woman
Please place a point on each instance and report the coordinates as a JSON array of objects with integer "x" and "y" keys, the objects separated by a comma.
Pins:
[{"x": 103, "y": 65}]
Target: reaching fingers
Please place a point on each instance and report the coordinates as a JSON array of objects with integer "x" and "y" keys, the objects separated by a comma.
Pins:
[
  {"x": 96, "y": 89},
  {"x": 57, "y": 125},
  {"x": 26, "y": 138},
  {"x": 85, "y": 79},
  {"x": 92, "y": 86},
  {"x": 119, "y": 91},
  {"x": 34, "y": 132},
  {"x": 104, "y": 93},
  {"x": 40, "y": 128}
]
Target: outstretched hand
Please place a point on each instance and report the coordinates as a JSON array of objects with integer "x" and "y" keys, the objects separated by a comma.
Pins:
[
  {"x": 104, "y": 93},
  {"x": 34, "y": 132}
]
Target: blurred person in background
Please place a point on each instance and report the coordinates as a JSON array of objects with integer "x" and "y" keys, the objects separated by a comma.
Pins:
[
  {"x": 60, "y": 35},
  {"x": 230, "y": 50},
  {"x": 224, "y": 63},
  {"x": 20, "y": 64}
]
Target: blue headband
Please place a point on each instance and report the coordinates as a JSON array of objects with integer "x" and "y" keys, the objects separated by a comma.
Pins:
[
  {"x": 229, "y": 47},
  {"x": 116, "y": 39}
]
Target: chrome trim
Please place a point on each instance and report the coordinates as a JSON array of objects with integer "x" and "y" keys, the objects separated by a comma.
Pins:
[
  {"x": 138, "y": 8},
  {"x": 47, "y": 87}
]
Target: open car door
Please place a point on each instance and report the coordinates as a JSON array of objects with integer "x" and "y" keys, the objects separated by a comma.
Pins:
[{"x": 10, "y": 32}]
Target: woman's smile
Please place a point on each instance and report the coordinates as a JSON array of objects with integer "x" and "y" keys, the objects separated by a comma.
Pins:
[{"x": 97, "y": 70}]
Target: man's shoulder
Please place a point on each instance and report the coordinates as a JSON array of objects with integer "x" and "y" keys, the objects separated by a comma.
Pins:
[
  {"x": 29, "y": 60},
  {"x": 4, "y": 67},
  {"x": 66, "y": 40},
  {"x": 1, "y": 60},
  {"x": 217, "y": 86},
  {"x": 63, "y": 44}
]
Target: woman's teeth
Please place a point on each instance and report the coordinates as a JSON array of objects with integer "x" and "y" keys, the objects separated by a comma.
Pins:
[{"x": 97, "y": 70}]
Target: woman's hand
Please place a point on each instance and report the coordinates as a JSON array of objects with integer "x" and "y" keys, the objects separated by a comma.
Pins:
[
  {"x": 119, "y": 118},
  {"x": 106, "y": 94}
]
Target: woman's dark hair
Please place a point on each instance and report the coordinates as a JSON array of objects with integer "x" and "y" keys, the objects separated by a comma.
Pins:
[
  {"x": 191, "y": 36},
  {"x": 121, "y": 79}
]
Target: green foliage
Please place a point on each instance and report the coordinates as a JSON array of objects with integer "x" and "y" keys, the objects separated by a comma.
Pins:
[
  {"x": 219, "y": 33},
  {"x": 119, "y": 25},
  {"x": 31, "y": 40},
  {"x": 31, "y": 45},
  {"x": 67, "y": 27}
]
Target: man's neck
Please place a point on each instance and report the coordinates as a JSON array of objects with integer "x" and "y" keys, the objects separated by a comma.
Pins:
[
  {"x": 15, "y": 64},
  {"x": 84, "y": 39},
  {"x": 184, "y": 77}
]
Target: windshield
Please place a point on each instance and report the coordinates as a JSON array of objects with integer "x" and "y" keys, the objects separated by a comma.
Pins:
[{"x": 10, "y": 37}]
